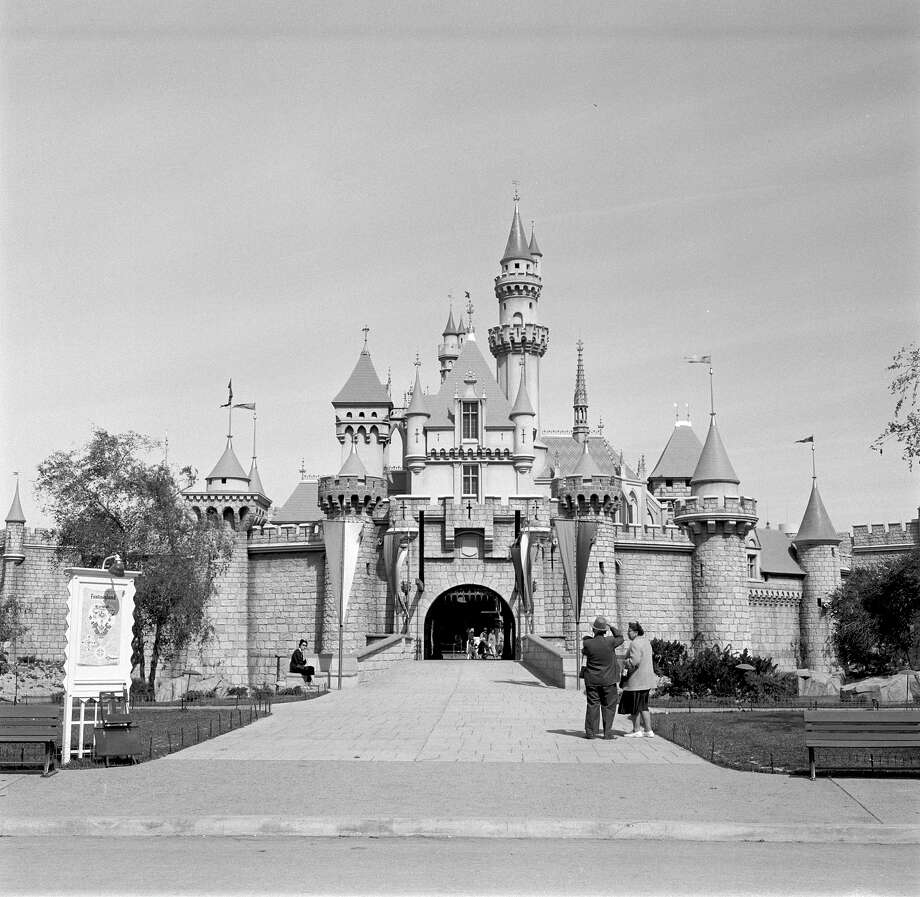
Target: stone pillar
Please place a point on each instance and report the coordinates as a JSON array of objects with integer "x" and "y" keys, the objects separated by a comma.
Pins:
[
  {"x": 822, "y": 567},
  {"x": 721, "y": 610}
]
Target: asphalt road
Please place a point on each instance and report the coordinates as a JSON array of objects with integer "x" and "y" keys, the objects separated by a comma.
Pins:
[{"x": 352, "y": 866}]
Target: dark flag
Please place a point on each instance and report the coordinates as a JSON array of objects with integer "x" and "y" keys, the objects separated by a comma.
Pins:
[
  {"x": 522, "y": 558},
  {"x": 806, "y": 439},
  {"x": 575, "y": 543},
  {"x": 395, "y": 549},
  {"x": 229, "y": 401}
]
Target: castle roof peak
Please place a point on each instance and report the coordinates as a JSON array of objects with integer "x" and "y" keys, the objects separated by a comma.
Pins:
[
  {"x": 517, "y": 246},
  {"x": 587, "y": 466},
  {"x": 713, "y": 465},
  {"x": 522, "y": 403},
  {"x": 228, "y": 467},
  {"x": 816, "y": 526},
  {"x": 15, "y": 514},
  {"x": 353, "y": 467},
  {"x": 363, "y": 387}
]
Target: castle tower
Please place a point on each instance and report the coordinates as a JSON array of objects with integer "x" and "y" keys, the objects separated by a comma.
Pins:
[
  {"x": 816, "y": 548},
  {"x": 670, "y": 478},
  {"x": 13, "y": 550},
  {"x": 362, "y": 415},
  {"x": 588, "y": 494},
  {"x": 450, "y": 348},
  {"x": 580, "y": 402},
  {"x": 523, "y": 415},
  {"x": 417, "y": 415},
  {"x": 519, "y": 332},
  {"x": 717, "y": 519}
]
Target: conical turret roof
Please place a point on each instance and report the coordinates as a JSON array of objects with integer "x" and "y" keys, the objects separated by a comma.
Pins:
[
  {"x": 517, "y": 247},
  {"x": 417, "y": 405},
  {"x": 255, "y": 481},
  {"x": 353, "y": 466},
  {"x": 534, "y": 247},
  {"x": 522, "y": 402},
  {"x": 15, "y": 515},
  {"x": 816, "y": 525},
  {"x": 228, "y": 467},
  {"x": 363, "y": 387},
  {"x": 681, "y": 454},
  {"x": 714, "y": 466},
  {"x": 450, "y": 328},
  {"x": 587, "y": 466}
]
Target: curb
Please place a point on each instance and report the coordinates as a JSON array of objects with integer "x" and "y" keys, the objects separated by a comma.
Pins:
[{"x": 393, "y": 827}]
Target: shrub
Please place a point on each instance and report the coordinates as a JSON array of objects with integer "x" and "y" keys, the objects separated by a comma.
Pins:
[
  {"x": 713, "y": 671},
  {"x": 667, "y": 655},
  {"x": 140, "y": 691},
  {"x": 238, "y": 691},
  {"x": 296, "y": 690}
]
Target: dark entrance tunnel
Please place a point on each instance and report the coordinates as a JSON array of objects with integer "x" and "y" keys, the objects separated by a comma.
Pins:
[{"x": 456, "y": 611}]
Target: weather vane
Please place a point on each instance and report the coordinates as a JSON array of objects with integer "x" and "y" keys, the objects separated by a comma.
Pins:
[{"x": 365, "y": 330}]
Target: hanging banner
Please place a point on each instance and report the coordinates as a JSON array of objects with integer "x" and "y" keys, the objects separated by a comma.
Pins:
[
  {"x": 342, "y": 539},
  {"x": 522, "y": 558},
  {"x": 395, "y": 554},
  {"x": 575, "y": 541}
]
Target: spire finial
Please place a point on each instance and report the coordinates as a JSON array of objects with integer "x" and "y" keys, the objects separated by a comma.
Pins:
[
  {"x": 469, "y": 310},
  {"x": 303, "y": 468},
  {"x": 515, "y": 184},
  {"x": 676, "y": 412},
  {"x": 600, "y": 425},
  {"x": 365, "y": 330},
  {"x": 418, "y": 360}
]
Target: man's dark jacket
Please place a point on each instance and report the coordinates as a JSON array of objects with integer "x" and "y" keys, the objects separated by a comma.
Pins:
[{"x": 601, "y": 665}]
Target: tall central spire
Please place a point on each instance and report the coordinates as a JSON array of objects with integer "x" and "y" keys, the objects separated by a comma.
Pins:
[{"x": 580, "y": 403}]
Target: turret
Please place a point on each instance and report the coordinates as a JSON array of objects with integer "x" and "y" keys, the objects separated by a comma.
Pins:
[
  {"x": 816, "y": 545},
  {"x": 717, "y": 519},
  {"x": 523, "y": 416},
  {"x": 352, "y": 490},
  {"x": 450, "y": 347},
  {"x": 362, "y": 415},
  {"x": 670, "y": 477},
  {"x": 519, "y": 332},
  {"x": 13, "y": 549},
  {"x": 417, "y": 415},
  {"x": 580, "y": 402}
]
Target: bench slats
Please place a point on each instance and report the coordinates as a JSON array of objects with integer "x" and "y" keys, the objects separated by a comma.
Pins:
[
  {"x": 10, "y": 712},
  {"x": 30, "y": 733},
  {"x": 855, "y": 716}
]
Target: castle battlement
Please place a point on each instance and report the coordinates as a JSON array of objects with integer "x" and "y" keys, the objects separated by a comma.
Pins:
[
  {"x": 350, "y": 493},
  {"x": 880, "y": 541},
  {"x": 650, "y": 533},
  {"x": 293, "y": 532}
]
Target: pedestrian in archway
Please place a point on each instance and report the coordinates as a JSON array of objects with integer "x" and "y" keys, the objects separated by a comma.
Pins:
[
  {"x": 640, "y": 680},
  {"x": 601, "y": 673}
]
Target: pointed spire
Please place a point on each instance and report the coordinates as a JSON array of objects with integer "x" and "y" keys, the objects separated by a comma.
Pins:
[
  {"x": 363, "y": 386},
  {"x": 15, "y": 515},
  {"x": 353, "y": 466},
  {"x": 681, "y": 454},
  {"x": 587, "y": 466},
  {"x": 580, "y": 403},
  {"x": 816, "y": 527},
  {"x": 517, "y": 247},
  {"x": 534, "y": 247},
  {"x": 255, "y": 481},
  {"x": 713, "y": 465},
  {"x": 417, "y": 405},
  {"x": 522, "y": 402},
  {"x": 450, "y": 328}
]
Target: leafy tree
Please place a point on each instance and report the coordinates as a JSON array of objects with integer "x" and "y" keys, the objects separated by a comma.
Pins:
[
  {"x": 106, "y": 497},
  {"x": 876, "y": 617},
  {"x": 11, "y": 626},
  {"x": 905, "y": 428}
]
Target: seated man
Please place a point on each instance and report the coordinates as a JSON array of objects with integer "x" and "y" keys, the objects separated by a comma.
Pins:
[{"x": 299, "y": 661}]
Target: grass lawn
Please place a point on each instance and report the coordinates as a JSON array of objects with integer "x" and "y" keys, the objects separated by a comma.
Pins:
[
  {"x": 161, "y": 730},
  {"x": 765, "y": 741}
]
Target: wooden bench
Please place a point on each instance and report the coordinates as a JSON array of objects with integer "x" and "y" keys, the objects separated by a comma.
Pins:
[
  {"x": 32, "y": 724},
  {"x": 860, "y": 729}
]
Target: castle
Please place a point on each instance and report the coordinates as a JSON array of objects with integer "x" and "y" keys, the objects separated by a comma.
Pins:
[{"x": 418, "y": 548}]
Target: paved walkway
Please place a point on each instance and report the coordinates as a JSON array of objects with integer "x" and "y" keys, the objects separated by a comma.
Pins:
[{"x": 452, "y": 748}]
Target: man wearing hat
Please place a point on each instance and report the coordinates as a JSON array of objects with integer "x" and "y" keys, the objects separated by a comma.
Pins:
[{"x": 601, "y": 673}]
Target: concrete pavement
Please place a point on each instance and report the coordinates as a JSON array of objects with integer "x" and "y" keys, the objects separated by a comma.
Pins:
[{"x": 460, "y": 749}]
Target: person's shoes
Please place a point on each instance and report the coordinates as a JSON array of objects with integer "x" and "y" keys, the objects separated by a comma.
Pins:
[
  {"x": 633, "y": 735},
  {"x": 609, "y": 737},
  {"x": 648, "y": 734},
  {"x": 589, "y": 737}
]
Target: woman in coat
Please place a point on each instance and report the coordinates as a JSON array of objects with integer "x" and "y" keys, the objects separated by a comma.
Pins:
[{"x": 639, "y": 680}]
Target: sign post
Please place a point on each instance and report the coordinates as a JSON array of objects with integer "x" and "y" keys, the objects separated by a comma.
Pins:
[{"x": 97, "y": 658}]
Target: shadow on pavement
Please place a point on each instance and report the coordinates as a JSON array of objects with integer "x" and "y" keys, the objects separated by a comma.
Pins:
[
  {"x": 518, "y": 682},
  {"x": 572, "y": 733}
]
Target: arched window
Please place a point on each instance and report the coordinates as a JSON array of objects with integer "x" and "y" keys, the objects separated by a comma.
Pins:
[{"x": 517, "y": 319}]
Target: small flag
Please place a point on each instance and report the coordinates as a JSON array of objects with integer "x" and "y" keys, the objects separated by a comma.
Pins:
[
  {"x": 251, "y": 406},
  {"x": 806, "y": 439},
  {"x": 466, "y": 293},
  {"x": 698, "y": 359},
  {"x": 229, "y": 401}
]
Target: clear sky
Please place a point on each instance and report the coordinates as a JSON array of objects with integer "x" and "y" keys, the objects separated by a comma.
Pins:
[{"x": 198, "y": 191}]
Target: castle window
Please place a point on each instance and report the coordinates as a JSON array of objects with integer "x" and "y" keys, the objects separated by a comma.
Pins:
[
  {"x": 470, "y": 480},
  {"x": 517, "y": 266},
  {"x": 753, "y": 566},
  {"x": 669, "y": 483},
  {"x": 470, "y": 413}
]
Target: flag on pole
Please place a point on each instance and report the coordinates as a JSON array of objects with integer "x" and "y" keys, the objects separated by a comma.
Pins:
[
  {"x": 229, "y": 401},
  {"x": 251, "y": 406},
  {"x": 806, "y": 439},
  {"x": 698, "y": 359}
]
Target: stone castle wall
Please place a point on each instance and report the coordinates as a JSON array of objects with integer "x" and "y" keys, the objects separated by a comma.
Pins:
[
  {"x": 880, "y": 542},
  {"x": 720, "y": 591},
  {"x": 653, "y": 587},
  {"x": 775, "y": 624}
]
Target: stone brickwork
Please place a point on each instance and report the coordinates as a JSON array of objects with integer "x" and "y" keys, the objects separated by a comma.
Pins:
[
  {"x": 775, "y": 624},
  {"x": 879, "y": 542},
  {"x": 382, "y": 654},
  {"x": 720, "y": 591},
  {"x": 654, "y": 588},
  {"x": 822, "y": 566},
  {"x": 600, "y": 594},
  {"x": 40, "y": 585},
  {"x": 284, "y": 597}
]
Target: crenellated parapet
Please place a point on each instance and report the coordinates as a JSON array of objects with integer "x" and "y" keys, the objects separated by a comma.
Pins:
[
  {"x": 708, "y": 514},
  {"x": 506, "y": 339},
  {"x": 883, "y": 541},
  {"x": 351, "y": 494},
  {"x": 597, "y": 494},
  {"x": 239, "y": 510}
]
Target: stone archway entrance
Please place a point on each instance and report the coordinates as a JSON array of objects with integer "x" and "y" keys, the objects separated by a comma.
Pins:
[{"x": 454, "y": 612}]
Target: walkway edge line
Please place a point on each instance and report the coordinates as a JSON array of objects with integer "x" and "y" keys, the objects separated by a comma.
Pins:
[{"x": 388, "y": 827}]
